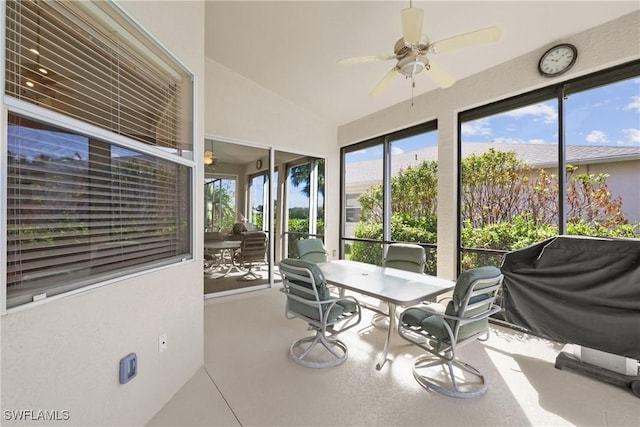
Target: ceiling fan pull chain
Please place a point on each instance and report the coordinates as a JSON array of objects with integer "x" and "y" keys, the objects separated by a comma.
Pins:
[{"x": 413, "y": 86}]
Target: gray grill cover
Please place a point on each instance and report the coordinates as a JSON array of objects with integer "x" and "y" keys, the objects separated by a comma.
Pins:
[{"x": 577, "y": 290}]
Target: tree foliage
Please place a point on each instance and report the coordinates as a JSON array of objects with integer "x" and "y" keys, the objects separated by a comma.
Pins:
[
  {"x": 219, "y": 207},
  {"x": 414, "y": 193},
  {"x": 506, "y": 204},
  {"x": 497, "y": 187}
]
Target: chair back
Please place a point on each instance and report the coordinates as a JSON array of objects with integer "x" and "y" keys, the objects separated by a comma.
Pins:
[
  {"x": 473, "y": 302},
  {"x": 309, "y": 299},
  {"x": 253, "y": 247},
  {"x": 311, "y": 250},
  {"x": 306, "y": 288},
  {"x": 406, "y": 256},
  {"x": 238, "y": 230}
]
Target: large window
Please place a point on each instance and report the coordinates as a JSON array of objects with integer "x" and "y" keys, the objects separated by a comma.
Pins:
[
  {"x": 99, "y": 123},
  {"x": 562, "y": 160},
  {"x": 390, "y": 194},
  {"x": 603, "y": 159}
]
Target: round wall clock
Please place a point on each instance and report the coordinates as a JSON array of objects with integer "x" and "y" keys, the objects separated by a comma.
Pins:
[
  {"x": 258, "y": 164},
  {"x": 557, "y": 60}
]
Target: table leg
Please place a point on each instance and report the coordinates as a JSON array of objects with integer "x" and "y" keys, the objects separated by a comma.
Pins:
[
  {"x": 392, "y": 327},
  {"x": 215, "y": 262},
  {"x": 224, "y": 262}
]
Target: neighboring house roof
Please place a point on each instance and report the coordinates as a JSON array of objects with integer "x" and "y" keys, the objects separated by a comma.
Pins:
[{"x": 538, "y": 155}]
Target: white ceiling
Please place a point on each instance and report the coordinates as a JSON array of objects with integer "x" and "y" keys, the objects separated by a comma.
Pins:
[
  {"x": 239, "y": 154},
  {"x": 291, "y": 47}
]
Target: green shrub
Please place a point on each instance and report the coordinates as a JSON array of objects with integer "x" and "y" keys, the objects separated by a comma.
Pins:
[{"x": 370, "y": 253}]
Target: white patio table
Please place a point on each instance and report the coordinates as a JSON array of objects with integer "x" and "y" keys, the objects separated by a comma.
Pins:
[{"x": 395, "y": 287}]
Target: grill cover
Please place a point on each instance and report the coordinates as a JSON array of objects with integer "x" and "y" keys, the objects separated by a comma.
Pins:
[{"x": 577, "y": 290}]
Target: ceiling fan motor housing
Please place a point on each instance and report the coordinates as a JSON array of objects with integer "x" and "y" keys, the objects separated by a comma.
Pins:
[
  {"x": 412, "y": 60},
  {"x": 402, "y": 48}
]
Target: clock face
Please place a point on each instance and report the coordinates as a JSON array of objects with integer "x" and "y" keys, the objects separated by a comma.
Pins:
[{"x": 557, "y": 60}]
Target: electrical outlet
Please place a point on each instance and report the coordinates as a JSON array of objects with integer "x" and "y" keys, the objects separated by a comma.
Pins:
[
  {"x": 162, "y": 343},
  {"x": 333, "y": 253}
]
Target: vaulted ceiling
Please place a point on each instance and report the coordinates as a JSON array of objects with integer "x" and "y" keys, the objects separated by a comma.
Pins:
[{"x": 291, "y": 47}]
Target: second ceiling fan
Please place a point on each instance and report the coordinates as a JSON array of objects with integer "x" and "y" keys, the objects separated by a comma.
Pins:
[{"x": 412, "y": 49}]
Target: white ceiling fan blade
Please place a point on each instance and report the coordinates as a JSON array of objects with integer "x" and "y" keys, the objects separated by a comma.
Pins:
[
  {"x": 473, "y": 38},
  {"x": 412, "y": 24},
  {"x": 384, "y": 83},
  {"x": 366, "y": 58},
  {"x": 440, "y": 76}
]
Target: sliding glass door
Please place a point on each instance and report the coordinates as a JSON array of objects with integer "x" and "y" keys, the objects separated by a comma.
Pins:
[
  {"x": 247, "y": 192},
  {"x": 305, "y": 201},
  {"x": 236, "y": 204}
]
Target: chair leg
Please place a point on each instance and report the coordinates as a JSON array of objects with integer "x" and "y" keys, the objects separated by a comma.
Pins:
[
  {"x": 455, "y": 384},
  {"x": 249, "y": 275},
  {"x": 335, "y": 354}
]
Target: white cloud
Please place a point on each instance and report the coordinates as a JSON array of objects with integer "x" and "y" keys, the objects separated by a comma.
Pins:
[
  {"x": 506, "y": 140},
  {"x": 476, "y": 127},
  {"x": 634, "y": 104},
  {"x": 547, "y": 112},
  {"x": 633, "y": 135},
  {"x": 596, "y": 136},
  {"x": 396, "y": 150}
]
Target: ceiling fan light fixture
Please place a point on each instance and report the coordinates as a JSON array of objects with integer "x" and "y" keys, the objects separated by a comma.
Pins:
[
  {"x": 412, "y": 24},
  {"x": 412, "y": 65},
  {"x": 209, "y": 158}
]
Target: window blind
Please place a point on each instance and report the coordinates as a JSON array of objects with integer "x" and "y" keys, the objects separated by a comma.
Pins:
[
  {"x": 61, "y": 59},
  {"x": 80, "y": 208}
]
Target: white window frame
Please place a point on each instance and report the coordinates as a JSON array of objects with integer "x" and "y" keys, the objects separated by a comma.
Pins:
[{"x": 188, "y": 158}]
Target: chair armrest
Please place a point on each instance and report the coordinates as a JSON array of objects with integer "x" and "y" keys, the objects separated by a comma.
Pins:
[
  {"x": 464, "y": 320},
  {"x": 357, "y": 314}
]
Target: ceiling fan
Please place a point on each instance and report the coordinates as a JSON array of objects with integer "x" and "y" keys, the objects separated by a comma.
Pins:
[{"x": 412, "y": 49}]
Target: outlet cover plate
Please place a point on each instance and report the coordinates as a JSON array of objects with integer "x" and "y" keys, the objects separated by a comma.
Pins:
[{"x": 162, "y": 343}]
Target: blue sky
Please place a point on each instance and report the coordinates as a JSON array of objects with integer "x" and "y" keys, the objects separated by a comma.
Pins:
[{"x": 608, "y": 115}]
